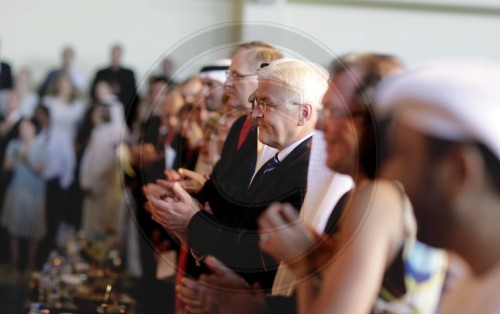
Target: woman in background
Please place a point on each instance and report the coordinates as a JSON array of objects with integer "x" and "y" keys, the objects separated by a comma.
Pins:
[
  {"x": 100, "y": 177},
  {"x": 24, "y": 206}
]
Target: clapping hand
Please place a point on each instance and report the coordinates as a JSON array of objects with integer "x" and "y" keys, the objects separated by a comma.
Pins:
[
  {"x": 174, "y": 210},
  {"x": 223, "y": 291}
]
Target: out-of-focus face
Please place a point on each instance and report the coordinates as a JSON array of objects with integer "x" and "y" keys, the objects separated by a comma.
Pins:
[
  {"x": 212, "y": 92},
  {"x": 225, "y": 123},
  {"x": 167, "y": 67},
  {"x": 278, "y": 122},
  {"x": 116, "y": 55},
  {"x": 27, "y": 130},
  {"x": 23, "y": 80},
  {"x": 191, "y": 90},
  {"x": 67, "y": 57},
  {"x": 242, "y": 80},
  {"x": 102, "y": 90},
  {"x": 343, "y": 124},
  {"x": 409, "y": 162},
  {"x": 173, "y": 102},
  {"x": 64, "y": 86},
  {"x": 157, "y": 92},
  {"x": 187, "y": 122}
]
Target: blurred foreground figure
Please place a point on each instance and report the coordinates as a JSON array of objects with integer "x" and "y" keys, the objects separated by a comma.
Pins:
[
  {"x": 370, "y": 261},
  {"x": 446, "y": 151}
]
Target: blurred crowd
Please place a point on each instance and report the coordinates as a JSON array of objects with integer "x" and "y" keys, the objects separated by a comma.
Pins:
[{"x": 282, "y": 187}]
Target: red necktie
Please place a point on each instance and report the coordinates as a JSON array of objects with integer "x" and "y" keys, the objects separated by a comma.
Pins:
[
  {"x": 181, "y": 271},
  {"x": 244, "y": 131},
  {"x": 169, "y": 137}
]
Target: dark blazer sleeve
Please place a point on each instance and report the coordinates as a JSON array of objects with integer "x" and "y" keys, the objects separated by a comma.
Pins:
[
  {"x": 128, "y": 94},
  {"x": 98, "y": 77},
  {"x": 5, "y": 76},
  {"x": 281, "y": 305}
]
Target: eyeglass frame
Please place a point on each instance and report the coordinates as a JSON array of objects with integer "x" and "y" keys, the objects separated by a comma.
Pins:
[{"x": 263, "y": 106}]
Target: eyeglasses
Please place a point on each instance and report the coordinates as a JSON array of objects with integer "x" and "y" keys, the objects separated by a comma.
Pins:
[
  {"x": 263, "y": 106},
  {"x": 236, "y": 76}
]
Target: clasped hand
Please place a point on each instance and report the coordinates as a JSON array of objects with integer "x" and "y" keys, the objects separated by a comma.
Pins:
[{"x": 171, "y": 206}]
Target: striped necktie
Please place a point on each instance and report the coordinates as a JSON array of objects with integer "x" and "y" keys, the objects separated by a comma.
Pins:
[{"x": 272, "y": 164}]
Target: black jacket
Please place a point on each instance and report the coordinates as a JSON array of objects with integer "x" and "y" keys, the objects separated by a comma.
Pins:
[{"x": 231, "y": 233}]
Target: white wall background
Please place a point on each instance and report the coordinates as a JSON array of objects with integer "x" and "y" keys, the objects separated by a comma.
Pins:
[
  {"x": 412, "y": 35},
  {"x": 32, "y": 32}
]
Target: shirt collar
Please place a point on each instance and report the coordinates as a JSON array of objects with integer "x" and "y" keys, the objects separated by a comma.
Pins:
[{"x": 285, "y": 152}]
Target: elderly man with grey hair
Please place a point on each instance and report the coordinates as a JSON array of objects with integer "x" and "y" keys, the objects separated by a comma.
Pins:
[{"x": 285, "y": 107}]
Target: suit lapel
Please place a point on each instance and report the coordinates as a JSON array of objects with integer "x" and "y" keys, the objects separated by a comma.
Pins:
[{"x": 261, "y": 178}]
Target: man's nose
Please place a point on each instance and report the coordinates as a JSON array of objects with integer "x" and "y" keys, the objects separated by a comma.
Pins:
[{"x": 256, "y": 112}]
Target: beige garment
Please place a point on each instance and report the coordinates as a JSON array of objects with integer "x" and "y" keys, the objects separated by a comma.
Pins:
[
  {"x": 475, "y": 294},
  {"x": 100, "y": 176},
  {"x": 324, "y": 189}
]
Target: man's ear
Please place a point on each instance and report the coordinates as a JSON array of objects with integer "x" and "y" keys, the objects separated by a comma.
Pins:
[
  {"x": 305, "y": 113},
  {"x": 462, "y": 172}
]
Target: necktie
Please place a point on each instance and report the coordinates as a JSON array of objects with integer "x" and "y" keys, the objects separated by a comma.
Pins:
[
  {"x": 181, "y": 273},
  {"x": 169, "y": 137},
  {"x": 272, "y": 164},
  {"x": 245, "y": 129}
]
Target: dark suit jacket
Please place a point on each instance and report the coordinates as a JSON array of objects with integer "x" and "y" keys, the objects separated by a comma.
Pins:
[
  {"x": 127, "y": 94},
  {"x": 151, "y": 134},
  {"x": 5, "y": 76},
  {"x": 231, "y": 175},
  {"x": 231, "y": 235}
]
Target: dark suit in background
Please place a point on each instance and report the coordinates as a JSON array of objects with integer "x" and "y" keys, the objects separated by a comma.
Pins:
[
  {"x": 5, "y": 76},
  {"x": 231, "y": 175},
  {"x": 123, "y": 83}
]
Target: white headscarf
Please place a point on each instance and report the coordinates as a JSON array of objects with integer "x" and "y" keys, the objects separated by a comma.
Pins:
[{"x": 453, "y": 99}]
